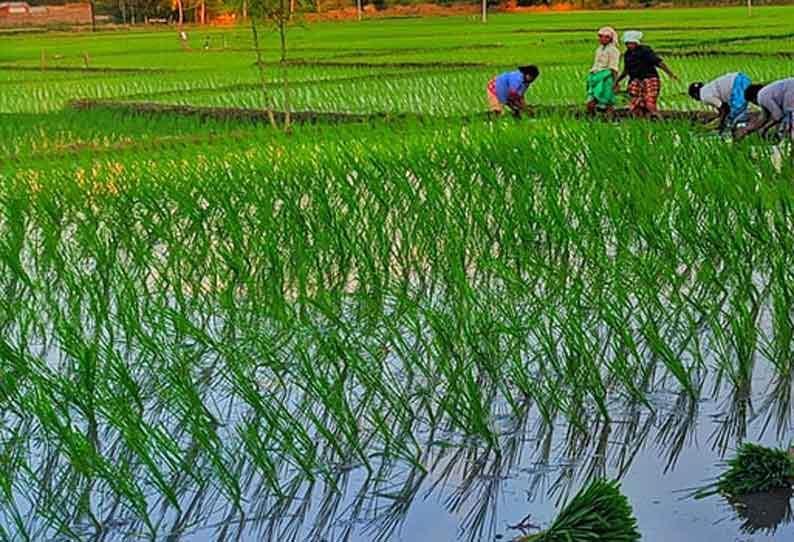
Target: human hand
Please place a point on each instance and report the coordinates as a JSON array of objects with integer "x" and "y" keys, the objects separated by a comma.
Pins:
[
  {"x": 713, "y": 124},
  {"x": 517, "y": 105}
]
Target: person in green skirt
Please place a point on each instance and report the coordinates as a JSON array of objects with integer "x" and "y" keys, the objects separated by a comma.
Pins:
[{"x": 604, "y": 73}]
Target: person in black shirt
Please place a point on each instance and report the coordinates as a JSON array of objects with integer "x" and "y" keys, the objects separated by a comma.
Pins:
[{"x": 640, "y": 65}]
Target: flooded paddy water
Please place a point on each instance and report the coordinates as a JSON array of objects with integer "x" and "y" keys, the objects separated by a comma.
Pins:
[
  {"x": 460, "y": 490},
  {"x": 435, "y": 337},
  {"x": 475, "y": 495}
]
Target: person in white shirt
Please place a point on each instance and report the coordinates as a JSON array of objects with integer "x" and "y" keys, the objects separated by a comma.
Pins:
[
  {"x": 604, "y": 73},
  {"x": 776, "y": 100},
  {"x": 726, "y": 94}
]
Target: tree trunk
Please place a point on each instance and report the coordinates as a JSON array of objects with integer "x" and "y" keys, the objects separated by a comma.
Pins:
[
  {"x": 262, "y": 79},
  {"x": 282, "y": 29},
  {"x": 358, "y": 9},
  {"x": 181, "y": 12},
  {"x": 245, "y": 9},
  {"x": 485, "y": 11},
  {"x": 93, "y": 17},
  {"x": 203, "y": 12},
  {"x": 291, "y": 8}
]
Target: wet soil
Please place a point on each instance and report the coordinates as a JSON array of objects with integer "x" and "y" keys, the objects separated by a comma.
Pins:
[
  {"x": 335, "y": 64},
  {"x": 223, "y": 113},
  {"x": 6, "y": 67},
  {"x": 711, "y": 52},
  {"x": 314, "y": 117},
  {"x": 764, "y": 512},
  {"x": 624, "y": 114}
]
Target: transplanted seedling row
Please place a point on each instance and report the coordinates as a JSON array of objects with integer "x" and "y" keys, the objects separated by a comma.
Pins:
[{"x": 244, "y": 324}]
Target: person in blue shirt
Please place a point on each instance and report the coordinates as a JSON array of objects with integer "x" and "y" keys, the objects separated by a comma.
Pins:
[{"x": 508, "y": 89}]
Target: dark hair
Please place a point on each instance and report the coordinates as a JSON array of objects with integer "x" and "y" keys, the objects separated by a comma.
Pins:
[
  {"x": 694, "y": 90},
  {"x": 530, "y": 70},
  {"x": 751, "y": 94}
]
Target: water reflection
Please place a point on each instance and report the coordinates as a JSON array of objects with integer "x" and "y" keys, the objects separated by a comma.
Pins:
[
  {"x": 549, "y": 460},
  {"x": 764, "y": 512}
]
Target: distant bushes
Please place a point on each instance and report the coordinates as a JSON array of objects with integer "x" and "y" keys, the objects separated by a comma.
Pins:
[{"x": 576, "y": 4}]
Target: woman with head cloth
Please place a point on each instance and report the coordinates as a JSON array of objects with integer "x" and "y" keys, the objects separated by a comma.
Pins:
[
  {"x": 604, "y": 73},
  {"x": 640, "y": 65}
]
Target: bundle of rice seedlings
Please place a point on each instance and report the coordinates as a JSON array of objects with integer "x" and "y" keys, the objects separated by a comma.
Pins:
[
  {"x": 755, "y": 469},
  {"x": 599, "y": 512}
]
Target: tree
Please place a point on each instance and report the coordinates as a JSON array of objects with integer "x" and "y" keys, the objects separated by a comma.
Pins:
[
  {"x": 277, "y": 14},
  {"x": 181, "y": 10},
  {"x": 127, "y": 11}
]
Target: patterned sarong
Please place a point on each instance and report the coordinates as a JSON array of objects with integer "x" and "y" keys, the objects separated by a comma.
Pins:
[
  {"x": 493, "y": 101},
  {"x": 644, "y": 94},
  {"x": 492, "y": 86}
]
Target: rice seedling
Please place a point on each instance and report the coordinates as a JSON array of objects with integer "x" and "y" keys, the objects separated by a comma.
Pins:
[
  {"x": 599, "y": 511},
  {"x": 334, "y": 364},
  {"x": 754, "y": 469}
]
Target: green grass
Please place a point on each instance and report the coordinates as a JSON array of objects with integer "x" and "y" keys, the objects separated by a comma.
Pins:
[{"x": 562, "y": 44}]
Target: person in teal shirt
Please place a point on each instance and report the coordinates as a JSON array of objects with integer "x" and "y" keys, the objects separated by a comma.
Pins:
[{"x": 508, "y": 89}]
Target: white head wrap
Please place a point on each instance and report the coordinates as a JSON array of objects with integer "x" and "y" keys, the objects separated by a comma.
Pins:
[
  {"x": 632, "y": 36},
  {"x": 609, "y": 31}
]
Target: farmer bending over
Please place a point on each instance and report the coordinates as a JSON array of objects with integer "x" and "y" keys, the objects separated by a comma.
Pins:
[
  {"x": 639, "y": 64},
  {"x": 604, "y": 73},
  {"x": 777, "y": 102},
  {"x": 509, "y": 88},
  {"x": 727, "y": 95}
]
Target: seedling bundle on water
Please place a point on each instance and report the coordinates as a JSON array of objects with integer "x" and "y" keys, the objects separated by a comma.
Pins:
[
  {"x": 755, "y": 469},
  {"x": 599, "y": 512}
]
